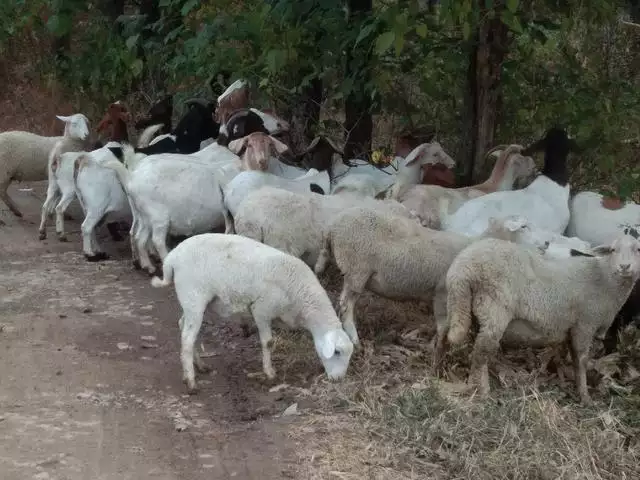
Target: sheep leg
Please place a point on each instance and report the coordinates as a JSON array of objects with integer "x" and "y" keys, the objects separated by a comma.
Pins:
[
  {"x": 580, "y": 343},
  {"x": 4, "y": 196},
  {"x": 201, "y": 367},
  {"x": 159, "y": 239},
  {"x": 263, "y": 322},
  {"x": 47, "y": 209},
  {"x": 63, "y": 204},
  {"x": 191, "y": 323},
  {"x": 441, "y": 344},
  {"x": 141, "y": 242},
  {"x": 493, "y": 321},
  {"x": 89, "y": 243},
  {"x": 348, "y": 300}
]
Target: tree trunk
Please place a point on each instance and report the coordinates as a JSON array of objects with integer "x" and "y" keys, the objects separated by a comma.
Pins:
[
  {"x": 358, "y": 119},
  {"x": 305, "y": 116},
  {"x": 483, "y": 98}
]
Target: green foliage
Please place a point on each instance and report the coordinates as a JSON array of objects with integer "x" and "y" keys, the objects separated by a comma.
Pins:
[{"x": 567, "y": 63}]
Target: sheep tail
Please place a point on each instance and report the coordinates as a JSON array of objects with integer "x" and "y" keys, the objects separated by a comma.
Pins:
[
  {"x": 459, "y": 297},
  {"x": 167, "y": 270},
  {"x": 325, "y": 253},
  {"x": 148, "y": 134}
]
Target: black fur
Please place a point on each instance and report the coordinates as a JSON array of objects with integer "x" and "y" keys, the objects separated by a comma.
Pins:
[
  {"x": 242, "y": 123},
  {"x": 117, "y": 152},
  {"x": 557, "y": 146},
  {"x": 196, "y": 125},
  {"x": 166, "y": 145},
  {"x": 159, "y": 113},
  {"x": 315, "y": 188}
]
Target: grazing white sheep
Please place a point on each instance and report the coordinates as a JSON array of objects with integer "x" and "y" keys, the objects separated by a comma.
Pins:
[
  {"x": 249, "y": 181},
  {"x": 396, "y": 258},
  {"x": 545, "y": 202},
  {"x": 521, "y": 297},
  {"x": 428, "y": 201},
  {"x": 406, "y": 170},
  {"x": 234, "y": 274},
  {"x": 294, "y": 222},
  {"x": 24, "y": 156}
]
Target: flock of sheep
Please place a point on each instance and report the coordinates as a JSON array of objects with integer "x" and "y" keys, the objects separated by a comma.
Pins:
[{"x": 492, "y": 251}]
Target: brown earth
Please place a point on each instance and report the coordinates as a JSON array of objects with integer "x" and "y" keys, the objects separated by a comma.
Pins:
[{"x": 90, "y": 378}]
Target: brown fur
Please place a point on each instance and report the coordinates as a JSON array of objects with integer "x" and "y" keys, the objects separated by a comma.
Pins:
[{"x": 116, "y": 117}]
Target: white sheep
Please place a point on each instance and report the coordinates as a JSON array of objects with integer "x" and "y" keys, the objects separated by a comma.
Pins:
[
  {"x": 405, "y": 170},
  {"x": 294, "y": 222},
  {"x": 234, "y": 274},
  {"x": 396, "y": 258},
  {"x": 24, "y": 156},
  {"x": 592, "y": 221},
  {"x": 545, "y": 202},
  {"x": 429, "y": 201},
  {"x": 62, "y": 174},
  {"x": 520, "y": 297},
  {"x": 169, "y": 194},
  {"x": 249, "y": 181}
]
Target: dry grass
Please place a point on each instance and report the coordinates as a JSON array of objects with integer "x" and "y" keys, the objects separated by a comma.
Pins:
[{"x": 390, "y": 420}]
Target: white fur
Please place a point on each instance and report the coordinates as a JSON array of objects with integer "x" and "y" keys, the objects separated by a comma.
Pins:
[
  {"x": 598, "y": 225},
  {"x": 234, "y": 274},
  {"x": 249, "y": 181}
]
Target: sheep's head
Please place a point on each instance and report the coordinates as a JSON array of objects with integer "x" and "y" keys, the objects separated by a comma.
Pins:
[
  {"x": 76, "y": 126},
  {"x": 555, "y": 139},
  {"x": 116, "y": 112},
  {"x": 623, "y": 256},
  {"x": 334, "y": 349},
  {"x": 256, "y": 150}
]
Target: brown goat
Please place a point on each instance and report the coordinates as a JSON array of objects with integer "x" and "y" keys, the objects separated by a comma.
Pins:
[{"x": 116, "y": 117}]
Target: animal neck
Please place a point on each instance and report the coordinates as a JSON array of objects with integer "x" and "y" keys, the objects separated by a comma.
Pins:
[
  {"x": 119, "y": 132},
  {"x": 555, "y": 168},
  {"x": 409, "y": 175}
]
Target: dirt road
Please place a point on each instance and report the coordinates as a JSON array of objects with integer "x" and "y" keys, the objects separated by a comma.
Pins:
[{"x": 90, "y": 380}]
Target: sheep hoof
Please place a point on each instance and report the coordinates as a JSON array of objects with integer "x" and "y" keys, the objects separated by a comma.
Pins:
[
  {"x": 42, "y": 235},
  {"x": 136, "y": 265},
  {"x": 97, "y": 257},
  {"x": 192, "y": 388},
  {"x": 62, "y": 238}
]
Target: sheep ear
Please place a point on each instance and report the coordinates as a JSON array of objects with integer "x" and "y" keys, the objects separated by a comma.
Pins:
[
  {"x": 238, "y": 146},
  {"x": 63, "y": 118},
  {"x": 329, "y": 344},
  {"x": 601, "y": 250},
  {"x": 577, "y": 253},
  {"x": 279, "y": 146},
  {"x": 416, "y": 154}
]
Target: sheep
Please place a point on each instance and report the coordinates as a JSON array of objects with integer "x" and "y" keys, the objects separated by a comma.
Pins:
[
  {"x": 160, "y": 113},
  {"x": 101, "y": 196},
  {"x": 426, "y": 200},
  {"x": 116, "y": 117},
  {"x": 24, "y": 156},
  {"x": 234, "y": 274},
  {"x": 249, "y": 120},
  {"x": 319, "y": 154},
  {"x": 255, "y": 150},
  {"x": 249, "y": 181},
  {"x": 62, "y": 183},
  {"x": 160, "y": 203},
  {"x": 294, "y": 222},
  {"x": 520, "y": 297},
  {"x": 397, "y": 258},
  {"x": 545, "y": 202},
  {"x": 408, "y": 170},
  {"x": 235, "y": 97}
]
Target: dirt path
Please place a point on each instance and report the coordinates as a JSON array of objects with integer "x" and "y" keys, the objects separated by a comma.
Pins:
[{"x": 90, "y": 380}]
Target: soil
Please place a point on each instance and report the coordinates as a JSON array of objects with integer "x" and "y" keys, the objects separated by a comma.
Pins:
[{"x": 90, "y": 378}]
